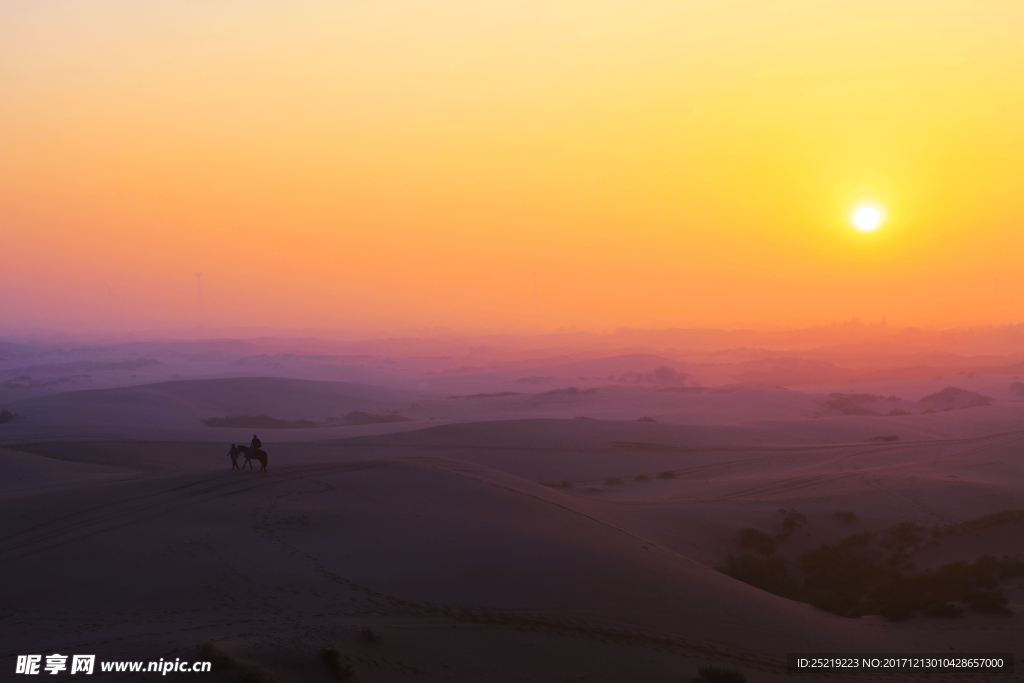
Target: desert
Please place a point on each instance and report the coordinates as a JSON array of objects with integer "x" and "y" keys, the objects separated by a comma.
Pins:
[{"x": 617, "y": 531}]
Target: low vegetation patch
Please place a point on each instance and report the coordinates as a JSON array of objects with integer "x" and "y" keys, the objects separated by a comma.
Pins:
[
  {"x": 332, "y": 661},
  {"x": 720, "y": 674},
  {"x": 975, "y": 525},
  {"x": 791, "y": 521},
  {"x": 758, "y": 541},
  {"x": 868, "y": 573},
  {"x": 229, "y": 669}
]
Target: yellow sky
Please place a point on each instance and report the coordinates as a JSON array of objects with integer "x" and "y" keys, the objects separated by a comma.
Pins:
[{"x": 510, "y": 165}]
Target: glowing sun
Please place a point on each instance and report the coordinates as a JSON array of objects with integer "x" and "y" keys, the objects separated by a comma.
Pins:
[{"x": 867, "y": 218}]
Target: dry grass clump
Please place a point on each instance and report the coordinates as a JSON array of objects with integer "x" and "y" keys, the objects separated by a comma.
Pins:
[
  {"x": 749, "y": 538},
  {"x": 720, "y": 674},
  {"x": 331, "y": 660},
  {"x": 230, "y": 670}
]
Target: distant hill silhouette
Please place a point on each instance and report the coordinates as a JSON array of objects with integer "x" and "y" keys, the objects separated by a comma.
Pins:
[
  {"x": 257, "y": 422},
  {"x": 953, "y": 398},
  {"x": 356, "y": 417}
]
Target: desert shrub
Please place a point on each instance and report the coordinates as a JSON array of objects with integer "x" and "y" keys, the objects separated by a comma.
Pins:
[
  {"x": 749, "y": 538},
  {"x": 720, "y": 674},
  {"x": 219, "y": 661},
  {"x": 249, "y": 676},
  {"x": 667, "y": 475},
  {"x": 837, "y": 576},
  {"x": 231, "y": 671},
  {"x": 613, "y": 481},
  {"x": 993, "y": 602},
  {"x": 641, "y": 477},
  {"x": 331, "y": 660},
  {"x": 845, "y": 515},
  {"x": 902, "y": 539},
  {"x": 791, "y": 521},
  {"x": 863, "y": 574},
  {"x": 944, "y": 610},
  {"x": 979, "y": 523},
  {"x": 767, "y": 573}
]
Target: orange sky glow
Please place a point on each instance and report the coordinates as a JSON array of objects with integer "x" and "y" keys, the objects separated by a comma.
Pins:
[{"x": 509, "y": 165}]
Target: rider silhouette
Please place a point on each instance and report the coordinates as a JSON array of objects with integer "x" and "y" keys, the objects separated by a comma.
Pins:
[{"x": 256, "y": 443}]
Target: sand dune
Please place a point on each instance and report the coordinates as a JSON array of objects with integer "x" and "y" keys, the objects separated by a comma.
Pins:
[{"x": 483, "y": 530}]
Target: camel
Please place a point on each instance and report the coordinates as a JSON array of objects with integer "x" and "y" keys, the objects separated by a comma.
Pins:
[{"x": 254, "y": 454}]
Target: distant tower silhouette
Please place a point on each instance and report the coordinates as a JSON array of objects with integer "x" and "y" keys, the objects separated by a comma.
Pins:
[
  {"x": 110, "y": 297},
  {"x": 199, "y": 297}
]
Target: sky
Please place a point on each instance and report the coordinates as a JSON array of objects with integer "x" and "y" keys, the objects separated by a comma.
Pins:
[{"x": 509, "y": 165}]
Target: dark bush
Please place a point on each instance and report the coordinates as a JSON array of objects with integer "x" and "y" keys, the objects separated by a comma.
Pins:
[
  {"x": 331, "y": 660},
  {"x": 993, "y": 602},
  {"x": 944, "y": 610},
  {"x": 767, "y": 573},
  {"x": 862, "y": 575},
  {"x": 751, "y": 539},
  {"x": 719, "y": 674},
  {"x": 791, "y": 521},
  {"x": 230, "y": 670},
  {"x": 903, "y": 537}
]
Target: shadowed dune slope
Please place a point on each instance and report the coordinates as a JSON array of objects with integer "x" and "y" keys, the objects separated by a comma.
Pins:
[{"x": 319, "y": 544}]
